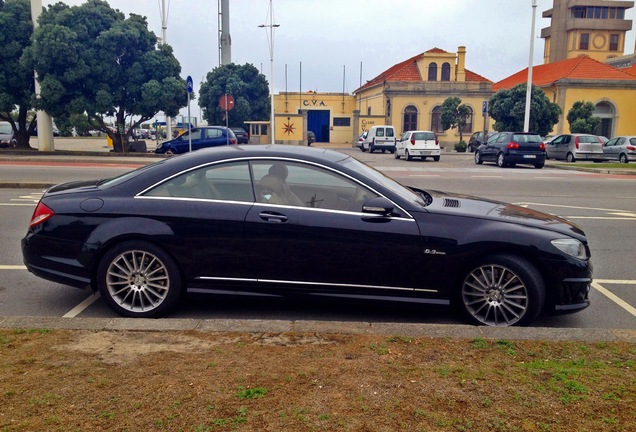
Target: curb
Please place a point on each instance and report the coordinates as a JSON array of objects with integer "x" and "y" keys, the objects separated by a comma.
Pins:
[{"x": 434, "y": 331}]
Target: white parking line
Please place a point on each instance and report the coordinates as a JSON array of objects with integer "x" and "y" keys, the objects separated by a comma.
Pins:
[
  {"x": 610, "y": 295},
  {"x": 83, "y": 305},
  {"x": 12, "y": 267}
]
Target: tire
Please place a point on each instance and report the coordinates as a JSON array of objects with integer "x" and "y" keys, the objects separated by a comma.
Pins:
[
  {"x": 502, "y": 290},
  {"x": 436, "y": 158},
  {"x": 623, "y": 158},
  {"x": 570, "y": 158},
  {"x": 407, "y": 155},
  {"x": 169, "y": 153},
  {"x": 478, "y": 159},
  {"x": 396, "y": 154},
  {"x": 383, "y": 151},
  {"x": 371, "y": 148},
  {"x": 423, "y": 158},
  {"x": 539, "y": 165},
  {"x": 501, "y": 160},
  {"x": 138, "y": 279},
  {"x": 362, "y": 148},
  {"x": 393, "y": 150}
]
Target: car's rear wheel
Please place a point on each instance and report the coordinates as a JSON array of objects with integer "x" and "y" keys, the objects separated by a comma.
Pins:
[
  {"x": 502, "y": 291},
  {"x": 570, "y": 158},
  {"x": 396, "y": 154},
  {"x": 478, "y": 159},
  {"x": 371, "y": 149},
  {"x": 501, "y": 160},
  {"x": 407, "y": 155},
  {"x": 623, "y": 158},
  {"x": 139, "y": 279},
  {"x": 539, "y": 165}
]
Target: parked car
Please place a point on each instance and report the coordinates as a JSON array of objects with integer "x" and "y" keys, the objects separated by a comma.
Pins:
[
  {"x": 311, "y": 138},
  {"x": 242, "y": 137},
  {"x": 286, "y": 220},
  {"x": 380, "y": 138},
  {"x": 571, "y": 147},
  {"x": 201, "y": 137},
  {"x": 477, "y": 139},
  {"x": 512, "y": 148},
  {"x": 361, "y": 138},
  {"x": 622, "y": 149},
  {"x": 7, "y": 138},
  {"x": 56, "y": 131},
  {"x": 420, "y": 144}
]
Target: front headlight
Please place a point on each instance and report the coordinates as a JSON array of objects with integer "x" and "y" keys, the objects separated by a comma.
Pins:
[{"x": 571, "y": 247}]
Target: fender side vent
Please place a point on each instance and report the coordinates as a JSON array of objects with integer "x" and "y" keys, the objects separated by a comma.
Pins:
[{"x": 453, "y": 203}]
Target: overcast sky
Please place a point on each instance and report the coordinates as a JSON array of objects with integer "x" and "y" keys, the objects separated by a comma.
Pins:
[{"x": 329, "y": 35}]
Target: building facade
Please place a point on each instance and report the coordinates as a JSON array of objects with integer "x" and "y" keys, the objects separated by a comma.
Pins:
[{"x": 595, "y": 28}]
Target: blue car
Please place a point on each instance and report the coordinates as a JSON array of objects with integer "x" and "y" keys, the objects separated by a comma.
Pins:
[{"x": 201, "y": 137}]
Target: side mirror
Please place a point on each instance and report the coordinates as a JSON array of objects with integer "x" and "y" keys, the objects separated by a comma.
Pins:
[{"x": 378, "y": 206}]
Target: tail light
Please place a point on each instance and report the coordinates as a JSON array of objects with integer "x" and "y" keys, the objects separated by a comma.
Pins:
[
  {"x": 412, "y": 141},
  {"x": 542, "y": 147},
  {"x": 233, "y": 141},
  {"x": 513, "y": 145},
  {"x": 630, "y": 148},
  {"x": 40, "y": 214},
  {"x": 576, "y": 142},
  {"x": 436, "y": 141}
]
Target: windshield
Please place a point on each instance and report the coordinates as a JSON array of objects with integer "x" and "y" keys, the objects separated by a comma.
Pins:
[{"x": 395, "y": 187}]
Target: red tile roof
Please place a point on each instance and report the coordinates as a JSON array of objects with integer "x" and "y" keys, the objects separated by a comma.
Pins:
[
  {"x": 582, "y": 68},
  {"x": 630, "y": 70},
  {"x": 408, "y": 71}
]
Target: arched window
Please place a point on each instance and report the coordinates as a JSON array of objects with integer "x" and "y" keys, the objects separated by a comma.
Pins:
[
  {"x": 468, "y": 127},
  {"x": 436, "y": 124},
  {"x": 432, "y": 71},
  {"x": 446, "y": 72},
  {"x": 606, "y": 112},
  {"x": 410, "y": 119}
]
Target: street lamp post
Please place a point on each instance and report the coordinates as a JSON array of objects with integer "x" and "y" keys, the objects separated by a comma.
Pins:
[
  {"x": 270, "y": 41},
  {"x": 526, "y": 120}
]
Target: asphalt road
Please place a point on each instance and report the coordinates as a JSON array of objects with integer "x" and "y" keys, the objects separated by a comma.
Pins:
[{"x": 603, "y": 205}]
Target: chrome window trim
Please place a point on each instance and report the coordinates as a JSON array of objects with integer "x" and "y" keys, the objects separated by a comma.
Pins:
[
  {"x": 307, "y": 283},
  {"x": 259, "y": 158}
]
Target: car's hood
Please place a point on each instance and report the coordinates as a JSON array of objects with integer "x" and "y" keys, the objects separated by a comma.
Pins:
[{"x": 469, "y": 206}]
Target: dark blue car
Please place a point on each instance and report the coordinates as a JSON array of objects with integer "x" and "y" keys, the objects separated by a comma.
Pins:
[{"x": 201, "y": 137}]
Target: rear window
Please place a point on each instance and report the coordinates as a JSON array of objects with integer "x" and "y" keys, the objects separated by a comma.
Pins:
[
  {"x": 526, "y": 138},
  {"x": 390, "y": 132},
  {"x": 424, "y": 136},
  {"x": 588, "y": 139}
]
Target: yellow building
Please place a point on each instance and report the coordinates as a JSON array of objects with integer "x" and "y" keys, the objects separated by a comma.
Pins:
[
  {"x": 595, "y": 28},
  {"x": 409, "y": 95},
  {"x": 328, "y": 115},
  {"x": 611, "y": 90}
]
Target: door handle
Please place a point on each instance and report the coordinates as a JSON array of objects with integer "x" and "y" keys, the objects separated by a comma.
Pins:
[{"x": 273, "y": 217}]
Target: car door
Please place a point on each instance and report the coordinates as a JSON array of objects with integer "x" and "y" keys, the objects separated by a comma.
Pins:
[
  {"x": 555, "y": 148},
  {"x": 403, "y": 142},
  {"x": 610, "y": 149},
  {"x": 327, "y": 243}
]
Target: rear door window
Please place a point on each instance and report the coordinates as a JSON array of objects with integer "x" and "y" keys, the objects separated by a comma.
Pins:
[
  {"x": 379, "y": 132},
  {"x": 390, "y": 132}
]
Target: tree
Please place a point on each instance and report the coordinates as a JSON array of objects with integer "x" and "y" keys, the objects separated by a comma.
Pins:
[
  {"x": 454, "y": 115},
  {"x": 17, "y": 83},
  {"x": 92, "y": 59},
  {"x": 580, "y": 118},
  {"x": 508, "y": 108},
  {"x": 245, "y": 84}
]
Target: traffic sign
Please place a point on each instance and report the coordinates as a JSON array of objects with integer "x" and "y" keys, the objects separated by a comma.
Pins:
[
  {"x": 226, "y": 102},
  {"x": 189, "y": 83}
]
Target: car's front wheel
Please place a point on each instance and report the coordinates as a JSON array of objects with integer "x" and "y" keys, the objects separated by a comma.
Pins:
[
  {"x": 138, "y": 279},
  {"x": 502, "y": 290}
]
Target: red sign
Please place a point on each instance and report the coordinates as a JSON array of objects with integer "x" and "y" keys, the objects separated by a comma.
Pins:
[{"x": 226, "y": 102}]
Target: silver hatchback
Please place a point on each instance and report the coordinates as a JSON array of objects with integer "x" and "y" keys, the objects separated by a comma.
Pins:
[
  {"x": 622, "y": 149},
  {"x": 572, "y": 147}
]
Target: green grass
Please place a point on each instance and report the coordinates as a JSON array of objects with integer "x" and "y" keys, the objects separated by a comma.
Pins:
[{"x": 629, "y": 166}]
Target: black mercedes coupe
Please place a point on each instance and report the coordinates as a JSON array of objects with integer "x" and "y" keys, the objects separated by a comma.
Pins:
[{"x": 293, "y": 220}]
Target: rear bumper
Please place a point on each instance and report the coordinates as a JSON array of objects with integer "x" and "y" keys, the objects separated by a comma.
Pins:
[{"x": 526, "y": 158}]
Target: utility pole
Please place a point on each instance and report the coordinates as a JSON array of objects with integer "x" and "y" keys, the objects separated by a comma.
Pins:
[
  {"x": 270, "y": 40},
  {"x": 164, "y": 40},
  {"x": 44, "y": 121}
]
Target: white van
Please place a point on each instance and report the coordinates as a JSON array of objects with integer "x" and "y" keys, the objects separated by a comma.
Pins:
[
  {"x": 420, "y": 144},
  {"x": 379, "y": 138}
]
